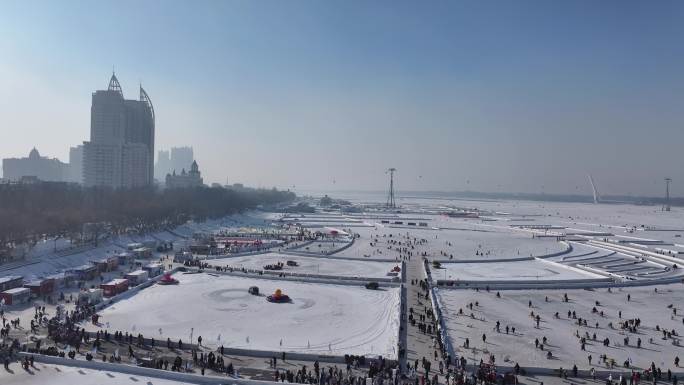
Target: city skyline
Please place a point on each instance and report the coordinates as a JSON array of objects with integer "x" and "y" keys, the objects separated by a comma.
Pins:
[
  {"x": 341, "y": 192},
  {"x": 529, "y": 97}
]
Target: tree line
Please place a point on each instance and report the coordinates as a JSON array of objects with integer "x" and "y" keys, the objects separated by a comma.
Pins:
[{"x": 30, "y": 212}]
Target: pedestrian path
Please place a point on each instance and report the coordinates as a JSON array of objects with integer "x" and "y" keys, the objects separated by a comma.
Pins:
[{"x": 419, "y": 345}]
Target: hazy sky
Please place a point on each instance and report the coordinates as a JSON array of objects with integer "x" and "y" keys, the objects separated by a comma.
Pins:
[{"x": 480, "y": 95}]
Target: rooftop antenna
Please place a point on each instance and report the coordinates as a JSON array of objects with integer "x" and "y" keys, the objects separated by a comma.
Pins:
[
  {"x": 666, "y": 207},
  {"x": 594, "y": 189},
  {"x": 390, "y": 196}
]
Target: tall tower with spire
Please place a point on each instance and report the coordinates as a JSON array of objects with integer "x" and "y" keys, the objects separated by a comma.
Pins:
[
  {"x": 120, "y": 153},
  {"x": 114, "y": 85}
]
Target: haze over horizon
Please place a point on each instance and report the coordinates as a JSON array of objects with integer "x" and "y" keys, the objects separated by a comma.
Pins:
[{"x": 526, "y": 96}]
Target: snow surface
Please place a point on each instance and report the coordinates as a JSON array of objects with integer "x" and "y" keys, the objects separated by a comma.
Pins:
[
  {"x": 458, "y": 240},
  {"x": 509, "y": 271},
  {"x": 322, "y": 319},
  {"x": 310, "y": 265},
  {"x": 512, "y": 310},
  {"x": 326, "y": 247},
  {"x": 66, "y": 375}
]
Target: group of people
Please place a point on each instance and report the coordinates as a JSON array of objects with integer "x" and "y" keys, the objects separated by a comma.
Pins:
[
  {"x": 212, "y": 361},
  {"x": 625, "y": 326},
  {"x": 379, "y": 371}
]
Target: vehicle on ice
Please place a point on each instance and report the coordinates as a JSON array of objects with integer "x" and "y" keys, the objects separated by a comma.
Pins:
[
  {"x": 278, "y": 297},
  {"x": 372, "y": 286},
  {"x": 167, "y": 279}
]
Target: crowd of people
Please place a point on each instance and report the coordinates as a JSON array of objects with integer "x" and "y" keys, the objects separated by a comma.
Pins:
[{"x": 379, "y": 371}]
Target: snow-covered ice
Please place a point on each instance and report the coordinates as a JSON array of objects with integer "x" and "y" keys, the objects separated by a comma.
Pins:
[
  {"x": 310, "y": 265},
  {"x": 67, "y": 375},
  {"x": 460, "y": 240},
  {"x": 513, "y": 310},
  {"x": 509, "y": 271},
  {"x": 322, "y": 319}
]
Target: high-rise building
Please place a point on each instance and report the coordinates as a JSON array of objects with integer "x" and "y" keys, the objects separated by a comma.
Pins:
[
  {"x": 75, "y": 174},
  {"x": 177, "y": 159},
  {"x": 182, "y": 158},
  {"x": 120, "y": 152},
  {"x": 163, "y": 165},
  {"x": 35, "y": 166}
]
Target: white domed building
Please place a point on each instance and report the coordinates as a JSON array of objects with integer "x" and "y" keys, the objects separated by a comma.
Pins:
[{"x": 35, "y": 166}]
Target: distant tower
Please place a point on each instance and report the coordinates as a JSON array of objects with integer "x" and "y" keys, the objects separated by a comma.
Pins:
[
  {"x": 594, "y": 190},
  {"x": 666, "y": 207},
  {"x": 390, "y": 195},
  {"x": 120, "y": 153}
]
